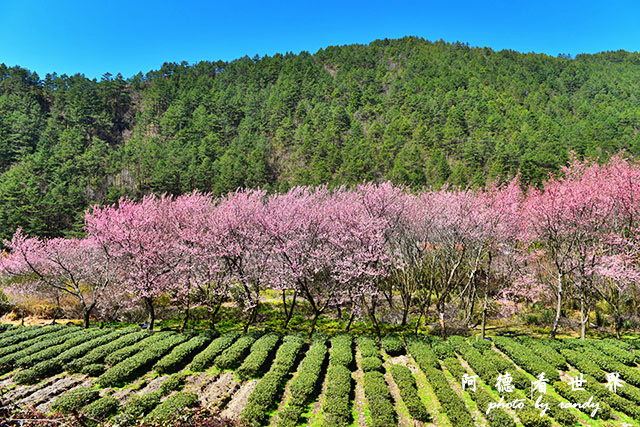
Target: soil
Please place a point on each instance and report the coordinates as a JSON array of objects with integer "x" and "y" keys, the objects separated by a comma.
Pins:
[
  {"x": 219, "y": 392},
  {"x": 239, "y": 400}
]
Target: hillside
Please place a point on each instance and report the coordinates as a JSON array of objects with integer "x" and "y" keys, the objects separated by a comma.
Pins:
[{"x": 407, "y": 110}]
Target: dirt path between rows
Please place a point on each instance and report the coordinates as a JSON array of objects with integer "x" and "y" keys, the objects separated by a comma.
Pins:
[{"x": 239, "y": 401}]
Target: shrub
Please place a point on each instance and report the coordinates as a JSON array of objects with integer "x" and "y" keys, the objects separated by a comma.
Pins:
[
  {"x": 205, "y": 358},
  {"x": 55, "y": 365},
  {"x": 443, "y": 350},
  {"x": 584, "y": 364},
  {"x": 336, "y": 398},
  {"x": 454, "y": 367},
  {"x": 181, "y": 355},
  {"x": 304, "y": 384},
  {"x": 174, "y": 383},
  {"x": 260, "y": 352},
  {"x": 11, "y": 353},
  {"x": 453, "y": 405},
  {"x": 138, "y": 406},
  {"x": 545, "y": 352},
  {"x": 132, "y": 367},
  {"x": 37, "y": 344},
  {"x": 268, "y": 390},
  {"x": 101, "y": 408},
  {"x": 75, "y": 399},
  {"x": 531, "y": 418},
  {"x": 173, "y": 405},
  {"x": 496, "y": 417},
  {"x": 612, "y": 399},
  {"x": 93, "y": 370},
  {"x": 376, "y": 390},
  {"x": 128, "y": 351},
  {"x": 232, "y": 356},
  {"x": 480, "y": 344},
  {"x": 26, "y": 333},
  {"x": 564, "y": 416},
  {"x": 526, "y": 358},
  {"x": 368, "y": 347},
  {"x": 392, "y": 344},
  {"x": 98, "y": 354},
  {"x": 478, "y": 362},
  {"x": 614, "y": 350},
  {"x": 74, "y": 339},
  {"x": 421, "y": 351},
  {"x": 341, "y": 350},
  {"x": 406, "y": 383},
  {"x": 370, "y": 364},
  {"x": 581, "y": 396}
]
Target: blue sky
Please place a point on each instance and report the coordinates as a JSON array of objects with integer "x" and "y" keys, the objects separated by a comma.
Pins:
[{"x": 94, "y": 37}]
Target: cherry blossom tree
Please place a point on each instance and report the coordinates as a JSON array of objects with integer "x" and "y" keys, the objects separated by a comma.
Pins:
[
  {"x": 140, "y": 239},
  {"x": 76, "y": 267}
]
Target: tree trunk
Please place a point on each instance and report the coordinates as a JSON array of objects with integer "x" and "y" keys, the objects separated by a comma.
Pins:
[
  {"x": 556, "y": 319},
  {"x": 151, "y": 311},
  {"x": 186, "y": 319},
  {"x": 405, "y": 313},
  {"x": 289, "y": 313},
  {"x": 252, "y": 318},
  {"x": 85, "y": 318},
  {"x": 372, "y": 315},
  {"x": 313, "y": 323},
  {"x": 213, "y": 314},
  {"x": 418, "y": 322},
  {"x": 472, "y": 306},
  {"x": 484, "y": 319},
  {"x": 618, "y": 323},
  {"x": 584, "y": 318},
  {"x": 351, "y": 317}
]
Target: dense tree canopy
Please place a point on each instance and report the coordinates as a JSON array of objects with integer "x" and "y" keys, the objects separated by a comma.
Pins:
[{"x": 411, "y": 111}]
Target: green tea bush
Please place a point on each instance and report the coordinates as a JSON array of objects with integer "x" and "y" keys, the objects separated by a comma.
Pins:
[
  {"x": 304, "y": 384},
  {"x": 379, "y": 401},
  {"x": 368, "y": 347},
  {"x": 26, "y": 333},
  {"x": 614, "y": 350},
  {"x": 138, "y": 406},
  {"x": 271, "y": 386},
  {"x": 232, "y": 356},
  {"x": 341, "y": 350},
  {"x": 130, "y": 368},
  {"x": 98, "y": 354},
  {"x": 181, "y": 355},
  {"x": 205, "y": 358},
  {"x": 336, "y": 399},
  {"x": 526, "y": 358},
  {"x": 125, "y": 352},
  {"x": 584, "y": 364},
  {"x": 75, "y": 399},
  {"x": 11, "y": 353},
  {"x": 392, "y": 344},
  {"x": 260, "y": 352},
  {"x": 406, "y": 383},
  {"x": 370, "y": 364},
  {"x": 93, "y": 370},
  {"x": 581, "y": 396},
  {"x": 452, "y": 404},
  {"x": 421, "y": 351},
  {"x": 74, "y": 339},
  {"x": 102, "y": 408},
  {"x": 173, "y": 405},
  {"x": 174, "y": 383}
]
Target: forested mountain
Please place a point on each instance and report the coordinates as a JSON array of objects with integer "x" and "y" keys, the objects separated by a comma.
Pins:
[{"x": 409, "y": 110}]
